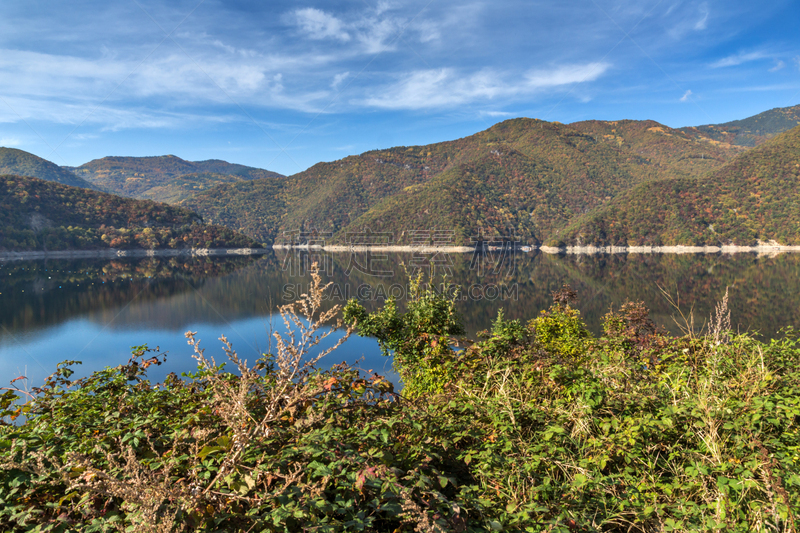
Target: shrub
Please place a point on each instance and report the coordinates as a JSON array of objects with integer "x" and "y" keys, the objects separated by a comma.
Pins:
[
  {"x": 419, "y": 340},
  {"x": 539, "y": 428}
]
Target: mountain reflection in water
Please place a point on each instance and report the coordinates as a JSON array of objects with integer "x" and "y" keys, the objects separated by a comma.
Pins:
[{"x": 94, "y": 311}]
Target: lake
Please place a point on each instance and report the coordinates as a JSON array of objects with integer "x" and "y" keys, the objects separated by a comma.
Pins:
[{"x": 94, "y": 311}]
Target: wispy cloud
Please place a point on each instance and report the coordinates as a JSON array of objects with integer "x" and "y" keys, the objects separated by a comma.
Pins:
[
  {"x": 10, "y": 141},
  {"x": 372, "y": 30},
  {"x": 497, "y": 114},
  {"x": 738, "y": 59},
  {"x": 704, "y": 13},
  {"x": 686, "y": 96},
  {"x": 778, "y": 66},
  {"x": 317, "y": 24},
  {"x": 447, "y": 87},
  {"x": 684, "y": 18},
  {"x": 338, "y": 79},
  {"x": 62, "y": 83},
  {"x": 346, "y": 148},
  {"x": 376, "y": 30}
]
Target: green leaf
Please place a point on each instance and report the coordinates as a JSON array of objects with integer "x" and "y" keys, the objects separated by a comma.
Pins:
[{"x": 208, "y": 450}]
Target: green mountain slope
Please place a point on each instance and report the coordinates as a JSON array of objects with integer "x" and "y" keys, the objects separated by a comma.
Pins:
[
  {"x": 751, "y": 131},
  {"x": 37, "y": 214},
  {"x": 13, "y": 161},
  {"x": 253, "y": 208},
  {"x": 153, "y": 177},
  {"x": 754, "y": 197},
  {"x": 523, "y": 177},
  {"x": 661, "y": 144},
  {"x": 184, "y": 186}
]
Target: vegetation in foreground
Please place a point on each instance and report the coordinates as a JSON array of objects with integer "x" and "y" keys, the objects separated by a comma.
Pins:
[{"x": 537, "y": 427}]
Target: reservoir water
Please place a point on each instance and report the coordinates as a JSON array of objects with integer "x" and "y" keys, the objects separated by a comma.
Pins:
[{"x": 94, "y": 311}]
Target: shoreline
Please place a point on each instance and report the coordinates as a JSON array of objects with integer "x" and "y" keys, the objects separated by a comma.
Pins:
[
  {"x": 760, "y": 249},
  {"x": 112, "y": 253}
]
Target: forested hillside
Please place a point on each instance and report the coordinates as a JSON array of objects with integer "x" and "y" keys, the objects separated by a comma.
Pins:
[
  {"x": 754, "y": 197},
  {"x": 19, "y": 162},
  {"x": 184, "y": 186},
  {"x": 661, "y": 144},
  {"x": 163, "y": 178},
  {"x": 37, "y": 214},
  {"x": 522, "y": 177},
  {"x": 751, "y": 131}
]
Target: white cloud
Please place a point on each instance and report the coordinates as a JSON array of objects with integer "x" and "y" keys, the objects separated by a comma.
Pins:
[
  {"x": 496, "y": 114},
  {"x": 376, "y": 30},
  {"x": 682, "y": 18},
  {"x": 56, "y": 85},
  {"x": 378, "y": 36},
  {"x": 383, "y": 6},
  {"x": 778, "y": 66},
  {"x": 446, "y": 87},
  {"x": 686, "y": 95},
  {"x": 372, "y": 31},
  {"x": 10, "y": 141},
  {"x": 703, "y": 22},
  {"x": 338, "y": 79},
  {"x": 320, "y": 25},
  {"x": 738, "y": 59}
]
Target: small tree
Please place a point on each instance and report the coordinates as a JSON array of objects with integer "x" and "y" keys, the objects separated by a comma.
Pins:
[{"x": 419, "y": 339}]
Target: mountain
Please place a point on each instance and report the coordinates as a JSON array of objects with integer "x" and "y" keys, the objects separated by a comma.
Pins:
[
  {"x": 13, "y": 161},
  {"x": 36, "y": 214},
  {"x": 176, "y": 189},
  {"x": 754, "y": 197},
  {"x": 521, "y": 177},
  {"x": 751, "y": 131},
  {"x": 154, "y": 177},
  {"x": 662, "y": 144}
]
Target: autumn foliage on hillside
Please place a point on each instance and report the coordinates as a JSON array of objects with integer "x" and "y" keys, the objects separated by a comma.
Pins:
[
  {"x": 751, "y": 131},
  {"x": 524, "y": 178},
  {"x": 19, "y": 162},
  {"x": 753, "y": 198},
  {"x": 37, "y": 214},
  {"x": 164, "y": 178}
]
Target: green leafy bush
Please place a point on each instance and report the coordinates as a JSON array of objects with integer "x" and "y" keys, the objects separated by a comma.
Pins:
[
  {"x": 419, "y": 340},
  {"x": 537, "y": 428}
]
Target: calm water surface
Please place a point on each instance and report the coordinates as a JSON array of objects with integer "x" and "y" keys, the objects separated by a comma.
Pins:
[{"x": 95, "y": 311}]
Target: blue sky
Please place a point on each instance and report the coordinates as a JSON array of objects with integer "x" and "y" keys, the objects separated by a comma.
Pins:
[{"x": 283, "y": 85}]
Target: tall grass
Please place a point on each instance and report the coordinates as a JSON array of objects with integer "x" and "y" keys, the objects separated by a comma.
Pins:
[{"x": 537, "y": 426}]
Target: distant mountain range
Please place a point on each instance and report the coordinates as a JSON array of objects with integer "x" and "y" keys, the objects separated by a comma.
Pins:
[
  {"x": 163, "y": 178},
  {"x": 13, "y": 161},
  {"x": 751, "y": 131},
  {"x": 598, "y": 182},
  {"x": 524, "y": 179}
]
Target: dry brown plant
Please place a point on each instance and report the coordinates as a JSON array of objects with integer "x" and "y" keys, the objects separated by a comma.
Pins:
[{"x": 152, "y": 499}]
